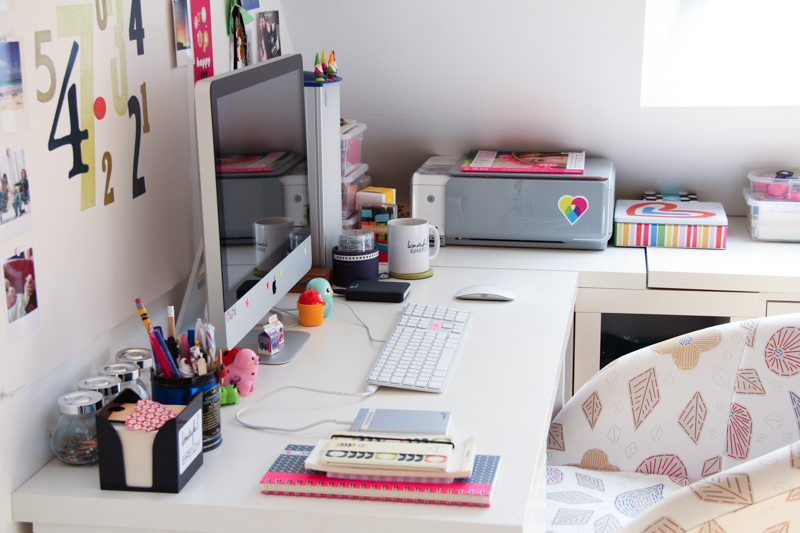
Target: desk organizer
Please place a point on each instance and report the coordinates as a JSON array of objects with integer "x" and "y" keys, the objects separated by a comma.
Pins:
[
  {"x": 775, "y": 184},
  {"x": 670, "y": 224},
  {"x": 176, "y": 449},
  {"x": 772, "y": 220}
]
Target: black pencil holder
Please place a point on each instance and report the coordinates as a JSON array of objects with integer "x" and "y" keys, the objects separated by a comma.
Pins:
[{"x": 351, "y": 266}]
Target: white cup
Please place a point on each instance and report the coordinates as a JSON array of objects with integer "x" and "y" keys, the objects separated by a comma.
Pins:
[
  {"x": 271, "y": 234},
  {"x": 409, "y": 249}
]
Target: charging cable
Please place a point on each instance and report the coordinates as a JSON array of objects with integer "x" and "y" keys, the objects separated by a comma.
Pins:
[{"x": 371, "y": 389}]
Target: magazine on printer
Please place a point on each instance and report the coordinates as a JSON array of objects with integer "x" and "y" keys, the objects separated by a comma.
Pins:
[{"x": 524, "y": 162}]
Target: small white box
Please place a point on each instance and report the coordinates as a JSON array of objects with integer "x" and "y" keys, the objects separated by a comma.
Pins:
[{"x": 773, "y": 220}]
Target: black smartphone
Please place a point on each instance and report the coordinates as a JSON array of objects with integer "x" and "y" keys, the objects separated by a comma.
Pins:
[{"x": 377, "y": 291}]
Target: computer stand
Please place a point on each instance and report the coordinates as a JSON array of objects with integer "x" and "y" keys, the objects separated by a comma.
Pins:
[{"x": 294, "y": 342}]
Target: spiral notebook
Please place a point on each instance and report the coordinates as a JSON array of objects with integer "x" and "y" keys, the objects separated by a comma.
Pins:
[{"x": 288, "y": 476}]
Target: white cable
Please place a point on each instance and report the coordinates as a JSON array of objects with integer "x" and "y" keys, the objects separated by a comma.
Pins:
[
  {"x": 369, "y": 333},
  {"x": 371, "y": 389}
]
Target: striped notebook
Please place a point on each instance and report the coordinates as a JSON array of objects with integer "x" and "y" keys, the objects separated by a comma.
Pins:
[
  {"x": 288, "y": 476},
  {"x": 670, "y": 224}
]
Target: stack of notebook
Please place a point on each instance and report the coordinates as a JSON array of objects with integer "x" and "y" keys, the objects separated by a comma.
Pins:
[{"x": 420, "y": 470}]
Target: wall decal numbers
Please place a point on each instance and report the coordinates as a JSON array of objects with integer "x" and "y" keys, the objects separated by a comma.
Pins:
[
  {"x": 108, "y": 197},
  {"x": 44, "y": 61},
  {"x": 135, "y": 111},
  {"x": 77, "y": 109}
]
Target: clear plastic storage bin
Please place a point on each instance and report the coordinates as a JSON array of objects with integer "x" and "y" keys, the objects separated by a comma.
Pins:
[
  {"x": 771, "y": 220},
  {"x": 775, "y": 184},
  {"x": 351, "y": 184},
  {"x": 351, "y": 147}
]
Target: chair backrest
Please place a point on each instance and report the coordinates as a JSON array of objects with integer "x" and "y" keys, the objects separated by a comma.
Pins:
[{"x": 690, "y": 406}]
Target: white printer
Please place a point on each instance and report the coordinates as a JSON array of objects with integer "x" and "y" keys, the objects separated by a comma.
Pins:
[{"x": 536, "y": 211}]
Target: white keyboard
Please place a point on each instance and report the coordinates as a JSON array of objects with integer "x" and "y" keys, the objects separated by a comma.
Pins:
[{"x": 422, "y": 349}]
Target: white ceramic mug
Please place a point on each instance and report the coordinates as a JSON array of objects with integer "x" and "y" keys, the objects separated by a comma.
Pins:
[
  {"x": 271, "y": 234},
  {"x": 409, "y": 249}
]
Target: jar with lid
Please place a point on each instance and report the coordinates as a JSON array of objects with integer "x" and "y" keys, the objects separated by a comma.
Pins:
[
  {"x": 73, "y": 438},
  {"x": 142, "y": 357},
  {"x": 108, "y": 386},
  {"x": 129, "y": 374}
]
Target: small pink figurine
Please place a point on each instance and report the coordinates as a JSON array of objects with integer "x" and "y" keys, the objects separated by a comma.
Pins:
[{"x": 243, "y": 371}]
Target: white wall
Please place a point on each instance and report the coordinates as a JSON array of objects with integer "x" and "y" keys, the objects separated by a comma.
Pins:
[
  {"x": 79, "y": 252},
  {"x": 439, "y": 77}
]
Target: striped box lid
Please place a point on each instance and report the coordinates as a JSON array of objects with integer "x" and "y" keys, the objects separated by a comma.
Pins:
[{"x": 670, "y": 224}]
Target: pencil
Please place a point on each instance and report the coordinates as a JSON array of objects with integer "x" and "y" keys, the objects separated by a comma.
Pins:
[
  {"x": 171, "y": 320},
  {"x": 143, "y": 314}
]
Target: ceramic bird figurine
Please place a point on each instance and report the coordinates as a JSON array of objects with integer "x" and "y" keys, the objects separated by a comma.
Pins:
[{"x": 322, "y": 286}]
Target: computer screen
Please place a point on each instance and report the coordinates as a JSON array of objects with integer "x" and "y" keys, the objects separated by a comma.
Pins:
[{"x": 251, "y": 144}]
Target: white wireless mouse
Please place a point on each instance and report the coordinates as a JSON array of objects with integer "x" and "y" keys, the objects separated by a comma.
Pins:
[{"x": 486, "y": 292}]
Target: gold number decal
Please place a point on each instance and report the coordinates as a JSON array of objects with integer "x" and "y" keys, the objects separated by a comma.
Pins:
[
  {"x": 102, "y": 13},
  {"x": 145, "y": 121},
  {"x": 108, "y": 198},
  {"x": 119, "y": 84},
  {"x": 44, "y": 61}
]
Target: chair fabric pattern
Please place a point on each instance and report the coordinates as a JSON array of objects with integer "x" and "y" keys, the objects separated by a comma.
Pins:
[{"x": 696, "y": 433}]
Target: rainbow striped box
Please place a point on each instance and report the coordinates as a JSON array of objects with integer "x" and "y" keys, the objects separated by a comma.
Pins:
[{"x": 670, "y": 224}]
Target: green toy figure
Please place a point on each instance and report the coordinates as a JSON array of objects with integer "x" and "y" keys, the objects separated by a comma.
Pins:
[
  {"x": 228, "y": 395},
  {"x": 322, "y": 286}
]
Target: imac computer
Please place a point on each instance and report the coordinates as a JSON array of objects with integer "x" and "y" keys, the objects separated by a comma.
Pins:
[{"x": 258, "y": 207}]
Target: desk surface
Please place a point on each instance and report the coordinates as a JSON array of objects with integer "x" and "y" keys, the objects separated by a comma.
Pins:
[
  {"x": 612, "y": 268},
  {"x": 505, "y": 405},
  {"x": 744, "y": 266}
]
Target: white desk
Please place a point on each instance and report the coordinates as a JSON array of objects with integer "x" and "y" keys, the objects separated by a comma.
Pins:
[
  {"x": 748, "y": 279},
  {"x": 506, "y": 405}
]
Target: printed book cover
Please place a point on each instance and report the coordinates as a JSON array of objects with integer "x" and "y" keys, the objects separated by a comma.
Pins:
[
  {"x": 242, "y": 163},
  {"x": 288, "y": 476},
  {"x": 527, "y": 162}
]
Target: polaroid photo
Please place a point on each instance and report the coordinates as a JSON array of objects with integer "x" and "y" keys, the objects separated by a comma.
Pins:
[
  {"x": 12, "y": 98},
  {"x": 183, "y": 33},
  {"x": 22, "y": 299}
]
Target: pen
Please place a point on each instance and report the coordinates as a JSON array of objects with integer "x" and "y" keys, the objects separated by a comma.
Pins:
[
  {"x": 162, "y": 358},
  {"x": 173, "y": 367},
  {"x": 143, "y": 314}
]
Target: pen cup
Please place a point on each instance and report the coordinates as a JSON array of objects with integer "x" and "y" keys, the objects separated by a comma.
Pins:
[{"x": 178, "y": 391}]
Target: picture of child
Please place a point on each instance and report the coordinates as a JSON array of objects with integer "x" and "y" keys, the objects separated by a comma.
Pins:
[
  {"x": 18, "y": 303},
  {"x": 20, "y": 285}
]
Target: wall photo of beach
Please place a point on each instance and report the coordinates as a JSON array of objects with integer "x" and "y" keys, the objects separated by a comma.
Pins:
[{"x": 11, "y": 98}]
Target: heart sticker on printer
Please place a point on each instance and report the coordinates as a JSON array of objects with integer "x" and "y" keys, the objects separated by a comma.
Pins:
[{"x": 573, "y": 207}]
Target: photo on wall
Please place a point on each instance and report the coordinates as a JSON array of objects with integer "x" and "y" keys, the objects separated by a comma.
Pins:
[
  {"x": 15, "y": 194},
  {"x": 183, "y": 34},
  {"x": 269, "y": 35},
  {"x": 22, "y": 300},
  {"x": 12, "y": 101}
]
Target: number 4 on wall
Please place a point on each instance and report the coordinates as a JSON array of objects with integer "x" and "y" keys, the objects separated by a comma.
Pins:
[
  {"x": 135, "y": 27},
  {"x": 76, "y": 136}
]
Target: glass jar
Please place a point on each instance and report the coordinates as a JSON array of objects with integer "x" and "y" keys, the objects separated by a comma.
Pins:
[
  {"x": 73, "y": 438},
  {"x": 108, "y": 386},
  {"x": 143, "y": 358},
  {"x": 129, "y": 374}
]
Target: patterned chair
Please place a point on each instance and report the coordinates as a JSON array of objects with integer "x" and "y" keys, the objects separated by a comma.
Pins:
[{"x": 700, "y": 433}]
